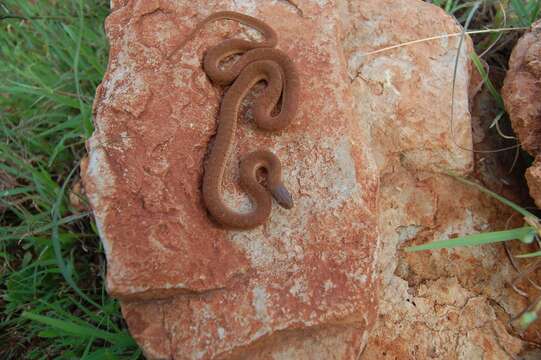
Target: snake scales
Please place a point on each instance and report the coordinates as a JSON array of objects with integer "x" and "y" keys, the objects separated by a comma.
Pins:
[{"x": 258, "y": 61}]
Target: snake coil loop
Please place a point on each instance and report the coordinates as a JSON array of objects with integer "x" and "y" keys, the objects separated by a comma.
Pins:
[{"x": 258, "y": 61}]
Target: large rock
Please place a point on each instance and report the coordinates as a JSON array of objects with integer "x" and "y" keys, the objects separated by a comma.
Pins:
[
  {"x": 265, "y": 294},
  {"x": 445, "y": 304},
  {"x": 303, "y": 285}
]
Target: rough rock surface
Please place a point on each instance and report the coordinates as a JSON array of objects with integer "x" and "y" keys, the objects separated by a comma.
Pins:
[
  {"x": 303, "y": 285},
  {"x": 522, "y": 96},
  {"x": 243, "y": 301},
  {"x": 446, "y": 304},
  {"x": 522, "y": 89},
  {"x": 533, "y": 177}
]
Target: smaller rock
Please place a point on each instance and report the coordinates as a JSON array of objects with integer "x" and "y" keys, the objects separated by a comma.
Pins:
[
  {"x": 521, "y": 93},
  {"x": 522, "y": 89},
  {"x": 533, "y": 177}
]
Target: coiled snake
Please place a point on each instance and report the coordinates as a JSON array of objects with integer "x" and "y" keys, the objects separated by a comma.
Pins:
[{"x": 258, "y": 61}]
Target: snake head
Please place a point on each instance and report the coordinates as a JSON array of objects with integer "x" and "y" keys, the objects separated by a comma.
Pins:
[{"x": 282, "y": 196}]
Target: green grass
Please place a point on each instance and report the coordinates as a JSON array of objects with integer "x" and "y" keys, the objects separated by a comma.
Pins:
[
  {"x": 52, "y": 56},
  {"x": 53, "y": 302}
]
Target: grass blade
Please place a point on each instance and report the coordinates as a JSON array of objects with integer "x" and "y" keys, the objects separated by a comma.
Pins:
[
  {"x": 79, "y": 330},
  {"x": 529, "y": 255},
  {"x": 486, "y": 80},
  {"x": 521, "y": 11},
  {"x": 476, "y": 239},
  {"x": 501, "y": 199},
  {"x": 66, "y": 273}
]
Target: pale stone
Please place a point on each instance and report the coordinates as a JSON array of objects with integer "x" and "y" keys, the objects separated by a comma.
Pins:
[{"x": 439, "y": 304}]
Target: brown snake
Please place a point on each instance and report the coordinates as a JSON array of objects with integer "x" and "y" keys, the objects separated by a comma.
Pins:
[{"x": 258, "y": 61}]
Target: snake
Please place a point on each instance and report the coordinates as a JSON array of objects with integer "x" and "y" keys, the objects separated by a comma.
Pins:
[{"x": 273, "y": 110}]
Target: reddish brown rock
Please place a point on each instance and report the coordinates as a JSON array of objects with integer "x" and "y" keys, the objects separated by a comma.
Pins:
[
  {"x": 533, "y": 177},
  {"x": 522, "y": 96},
  {"x": 302, "y": 286},
  {"x": 522, "y": 90},
  {"x": 444, "y": 304}
]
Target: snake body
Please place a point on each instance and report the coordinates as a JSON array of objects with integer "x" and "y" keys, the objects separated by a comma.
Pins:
[{"x": 258, "y": 61}]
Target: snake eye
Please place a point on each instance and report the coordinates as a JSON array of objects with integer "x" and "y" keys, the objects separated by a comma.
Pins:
[{"x": 282, "y": 196}]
